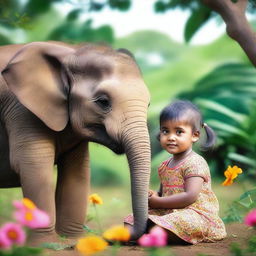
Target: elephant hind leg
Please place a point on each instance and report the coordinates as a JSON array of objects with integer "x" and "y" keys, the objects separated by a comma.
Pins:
[
  {"x": 8, "y": 177},
  {"x": 72, "y": 191}
]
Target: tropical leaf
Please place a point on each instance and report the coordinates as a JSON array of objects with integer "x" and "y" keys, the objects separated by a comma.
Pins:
[
  {"x": 197, "y": 19},
  {"x": 239, "y": 208},
  {"x": 242, "y": 159},
  {"x": 228, "y": 128},
  {"x": 251, "y": 194},
  {"x": 214, "y": 106}
]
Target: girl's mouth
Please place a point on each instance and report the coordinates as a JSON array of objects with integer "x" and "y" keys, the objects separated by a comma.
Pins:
[{"x": 171, "y": 145}]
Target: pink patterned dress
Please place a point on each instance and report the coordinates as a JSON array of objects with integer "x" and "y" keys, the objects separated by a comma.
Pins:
[{"x": 198, "y": 222}]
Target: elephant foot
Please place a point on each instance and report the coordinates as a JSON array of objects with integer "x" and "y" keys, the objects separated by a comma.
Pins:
[
  {"x": 36, "y": 239},
  {"x": 62, "y": 253}
]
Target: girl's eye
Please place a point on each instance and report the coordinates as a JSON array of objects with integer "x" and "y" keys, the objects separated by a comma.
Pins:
[
  {"x": 164, "y": 132},
  {"x": 178, "y": 132}
]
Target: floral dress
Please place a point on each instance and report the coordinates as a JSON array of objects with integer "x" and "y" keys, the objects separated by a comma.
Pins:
[{"x": 198, "y": 222}]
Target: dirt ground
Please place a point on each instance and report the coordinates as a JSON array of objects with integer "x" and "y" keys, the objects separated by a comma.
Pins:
[{"x": 237, "y": 233}]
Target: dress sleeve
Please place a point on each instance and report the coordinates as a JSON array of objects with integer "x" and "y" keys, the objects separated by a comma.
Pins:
[
  {"x": 162, "y": 166},
  {"x": 197, "y": 167}
]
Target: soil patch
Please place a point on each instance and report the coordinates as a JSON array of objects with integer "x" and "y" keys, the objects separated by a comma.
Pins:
[{"x": 237, "y": 233}]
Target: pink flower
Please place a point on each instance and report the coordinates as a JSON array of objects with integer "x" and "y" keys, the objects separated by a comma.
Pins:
[
  {"x": 250, "y": 218},
  {"x": 146, "y": 240},
  {"x": 5, "y": 243},
  {"x": 157, "y": 237},
  {"x": 29, "y": 215},
  {"x": 11, "y": 233}
]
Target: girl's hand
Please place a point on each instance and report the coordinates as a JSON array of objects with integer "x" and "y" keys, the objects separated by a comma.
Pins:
[
  {"x": 151, "y": 193},
  {"x": 153, "y": 201}
]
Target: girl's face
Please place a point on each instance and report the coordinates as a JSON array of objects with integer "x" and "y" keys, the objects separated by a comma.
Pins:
[{"x": 177, "y": 136}]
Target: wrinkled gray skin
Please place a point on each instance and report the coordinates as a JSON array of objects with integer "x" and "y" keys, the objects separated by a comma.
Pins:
[{"x": 54, "y": 99}]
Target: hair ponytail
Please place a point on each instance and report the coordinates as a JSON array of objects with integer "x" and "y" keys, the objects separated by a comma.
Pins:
[{"x": 210, "y": 138}]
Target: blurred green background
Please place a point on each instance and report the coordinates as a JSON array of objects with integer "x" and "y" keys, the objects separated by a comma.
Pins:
[{"x": 217, "y": 77}]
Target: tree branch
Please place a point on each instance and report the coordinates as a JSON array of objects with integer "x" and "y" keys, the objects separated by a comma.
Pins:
[{"x": 237, "y": 25}]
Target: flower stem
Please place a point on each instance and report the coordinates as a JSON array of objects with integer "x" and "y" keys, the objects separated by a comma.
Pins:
[
  {"x": 115, "y": 248},
  {"x": 97, "y": 218}
]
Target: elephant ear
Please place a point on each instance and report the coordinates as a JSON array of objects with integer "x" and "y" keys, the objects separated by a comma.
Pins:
[{"x": 35, "y": 76}]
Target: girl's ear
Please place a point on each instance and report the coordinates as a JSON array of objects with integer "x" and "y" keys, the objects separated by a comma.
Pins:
[{"x": 195, "y": 136}]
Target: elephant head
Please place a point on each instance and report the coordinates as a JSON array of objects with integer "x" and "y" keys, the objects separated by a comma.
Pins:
[{"x": 99, "y": 92}]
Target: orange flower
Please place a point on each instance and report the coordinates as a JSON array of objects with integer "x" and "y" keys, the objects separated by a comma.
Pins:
[
  {"x": 231, "y": 173},
  {"x": 28, "y": 203},
  {"x": 117, "y": 233},
  {"x": 95, "y": 199},
  {"x": 91, "y": 244}
]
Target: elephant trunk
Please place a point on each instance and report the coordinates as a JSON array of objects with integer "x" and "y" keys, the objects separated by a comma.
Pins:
[{"x": 137, "y": 147}]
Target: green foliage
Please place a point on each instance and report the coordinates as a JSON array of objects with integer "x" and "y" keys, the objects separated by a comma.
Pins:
[
  {"x": 103, "y": 171},
  {"x": 195, "y": 21},
  {"x": 103, "y": 175},
  {"x": 122, "y": 5},
  {"x": 199, "y": 14},
  {"x": 33, "y": 8},
  {"x": 26, "y": 17},
  {"x": 236, "y": 250},
  {"x": 4, "y": 40},
  {"x": 22, "y": 251},
  {"x": 56, "y": 246},
  {"x": 22, "y": 14},
  {"x": 239, "y": 208},
  {"x": 76, "y": 32}
]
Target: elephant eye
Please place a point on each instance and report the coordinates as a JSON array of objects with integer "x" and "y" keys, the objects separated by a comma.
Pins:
[{"x": 103, "y": 102}]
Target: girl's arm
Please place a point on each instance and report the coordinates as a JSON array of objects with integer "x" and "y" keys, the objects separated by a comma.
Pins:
[{"x": 193, "y": 186}]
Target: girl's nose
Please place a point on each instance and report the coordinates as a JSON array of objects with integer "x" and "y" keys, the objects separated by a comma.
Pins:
[{"x": 171, "y": 137}]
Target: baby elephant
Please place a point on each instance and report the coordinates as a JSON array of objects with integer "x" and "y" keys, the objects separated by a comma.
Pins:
[{"x": 56, "y": 98}]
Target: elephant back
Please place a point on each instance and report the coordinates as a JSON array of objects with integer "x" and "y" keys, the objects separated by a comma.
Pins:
[{"x": 7, "y": 52}]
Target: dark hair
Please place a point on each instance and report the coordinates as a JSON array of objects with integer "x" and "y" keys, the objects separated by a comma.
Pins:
[{"x": 180, "y": 109}]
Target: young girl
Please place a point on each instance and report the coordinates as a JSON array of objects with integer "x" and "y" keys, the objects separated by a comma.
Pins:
[{"x": 185, "y": 204}]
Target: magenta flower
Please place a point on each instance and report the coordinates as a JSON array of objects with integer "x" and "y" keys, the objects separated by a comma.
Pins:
[
  {"x": 146, "y": 241},
  {"x": 157, "y": 237},
  {"x": 11, "y": 233},
  {"x": 29, "y": 215},
  {"x": 5, "y": 243},
  {"x": 250, "y": 218}
]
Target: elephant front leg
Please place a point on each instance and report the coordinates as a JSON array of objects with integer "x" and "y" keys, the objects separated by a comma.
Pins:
[
  {"x": 35, "y": 168},
  {"x": 72, "y": 191}
]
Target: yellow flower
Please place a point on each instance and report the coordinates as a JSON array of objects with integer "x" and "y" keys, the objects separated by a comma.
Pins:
[
  {"x": 91, "y": 244},
  {"x": 231, "y": 173},
  {"x": 95, "y": 199},
  {"x": 117, "y": 233}
]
